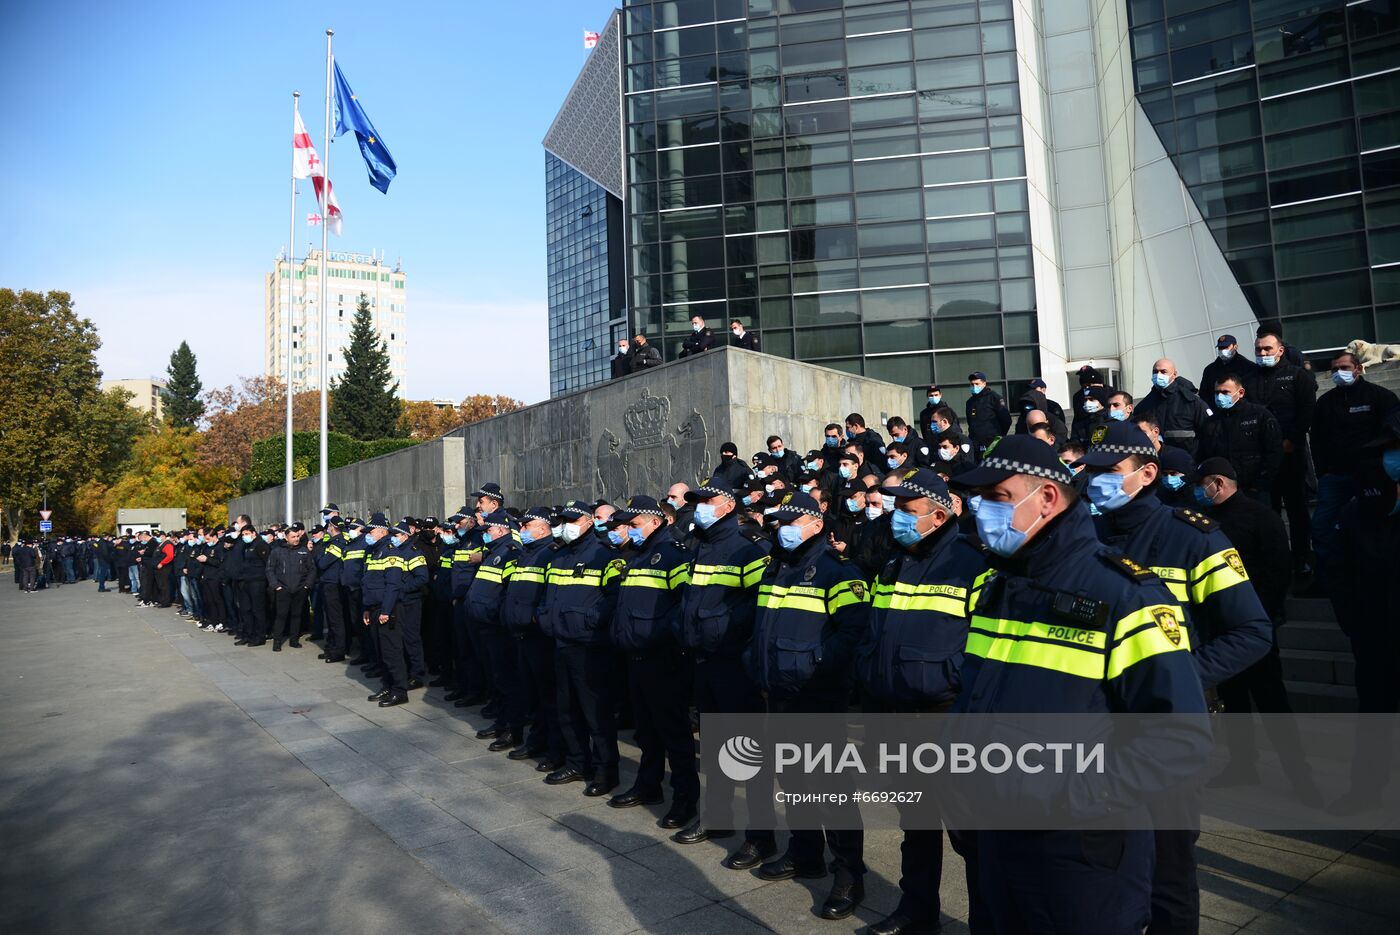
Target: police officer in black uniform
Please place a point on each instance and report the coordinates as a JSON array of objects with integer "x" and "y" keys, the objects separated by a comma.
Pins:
[
  {"x": 660, "y": 672},
  {"x": 909, "y": 659},
  {"x": 987, "y": 416},
  {"x": 699, "y": 340},
  {"x": 816, "y": 607},
  {"x": 483, "y": 600},
  {"x": 330, "y": 554},
  {"x": 1124, "y": 649},
  {"x": 524, "y": 591}
]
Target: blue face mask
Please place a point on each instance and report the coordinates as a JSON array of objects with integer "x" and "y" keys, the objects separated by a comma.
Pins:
[
  {"x": 249, "y": 538},
  {"x": 847, "y": 472},
  {"x": 1174, "y": 481},
  {"x": 852, "y": 506},
  {"x": 1224, "y": 400},
  {"x": 1092, "y": 406},
  {"x": 637, "y": 536},
  {"x": 1390, "y": 461},
  {"x": 904, "y": 527},
  {"x": 486, "y": 537},
  {"x": 1224, "y": 353},
  {"x": 599, "y": 525},
  {"x": 935, "y": 400},
  {"x": 812, "y": 466},
  {"x": 1201, "y": 497},
  {"x": 974, "y": 504},
  {"x": 808, "y": 488},
  {"x": 789, "y": 537},
  {"x": 893, "y": 463},
  {"x": 937, "y": 429},
  {"x": 1106, "y": 491},
  {"x": 526, "y": 536},
  {"x": 831, "y": 441},
  {"x": 370, "y": 539},
  {"x": 976, "y": 389},
  {"x": 1118, "y": 415},
  {"x": 396, "y": 541},
  {"x": 1161, "y": 380},
  {"x": 449, "y": 539},
  {"x": 615, "y": 537},
  {"x": 705, "y": 515},
  {"x": 1266, "y": 361},
  {"x": 995, "y": 529},
  {"x": 778, "y": 452},
  {"x": 1343, "y": 377}
]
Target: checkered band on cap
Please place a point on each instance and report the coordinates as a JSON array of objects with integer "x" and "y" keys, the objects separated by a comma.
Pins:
[
  {"x": 1062, "y": 475},
  {"x": 938, "y": 498},
  {"x": 1124, "y": 450},
  {"x": 642, "y": 512},
  {"x": 709, "y": 491},
  {"x": 797, "y": 510},
  {"x": 529, "y": 515}
]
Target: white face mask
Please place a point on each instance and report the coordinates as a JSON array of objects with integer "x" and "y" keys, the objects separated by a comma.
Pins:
[
  {"x": 873, "y": 512},
  {"x": 946, "y": 454},
  {"x": 569, "y": 532}
]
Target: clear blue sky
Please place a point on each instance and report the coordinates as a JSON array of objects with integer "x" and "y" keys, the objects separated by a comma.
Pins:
[{"x": 148, "y": 154}]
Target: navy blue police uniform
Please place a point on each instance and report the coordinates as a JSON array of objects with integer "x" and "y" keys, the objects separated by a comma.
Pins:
[
  {"x": 519, "y": 613},
  {"x": 483, "y": 601}
]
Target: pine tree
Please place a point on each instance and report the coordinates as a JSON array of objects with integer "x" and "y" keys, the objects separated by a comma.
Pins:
[
  {"x": 365, "y": 404},
  {"x": 180, "y": 398}
]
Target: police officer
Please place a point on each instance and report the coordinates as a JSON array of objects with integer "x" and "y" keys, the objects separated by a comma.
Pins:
[
  {"x": 699, "y": 340},
  {"x": 483, "y": 600},
  {"x": 352, "y": 570},
  {"x": 211, "y": 580},
  {"x": 376, "y": 545},
  {"x": 740, "y": 337},
  {"x": 816, "y": 605},
  {"x": 252, "y": 587},
  {"x": 405, "y": 575},
  {"x": 1048, "y": 568},
  {"x": 660, "y": 673},
  {"x": 716, "y": 624},
  {"x": 909, "y": 659},
  {"x": 440, "y": 588},
  {"x": 1245, "y": 434},
  {"x": 524, "y": 591},
  {"x": 866, "y": 440},
  {"x": 622, "y": 361},
  {"x": 579, "y": 595},
  {"x": 1290, "y": 393},
  {"x": 330, "y": 553},
  {"x": 1229, "y": 362},
  {"x": 733, "y": 472},
  {"x": 1228, "y": 627},
  {"x": 475, "y": 684},
  {"x": 987, "y": 416},
  {"x": 1175, "y": 404},
  {"x": 916, "y": 449}
]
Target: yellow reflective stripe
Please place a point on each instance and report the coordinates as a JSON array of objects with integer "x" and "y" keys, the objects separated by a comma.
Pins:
[
  {"x": 1169, "y": 614},
  {"x": 562, "y": 575},
  {"x": 445, "y": 561},
  {"x": 568, "y": 582},
  {"x": 843, "y": 595},
  {"x": 531, "y": 573},
  {"x": 1220, "y": 579},
  {"x": 488, "y": 573},
  {"x": 778, "y": 598},
  {"x": 1169, "y": 574},
  {"x": 725, "y": 576},
  {"x": 679, "y": 575},
  {"x": 1060, "y": 633},
  {"x": 335, "y": 550},
  {"x": 943, "y": 605},
  {"x": 354, "y": 555},
  {"x": 1144, "y": 644},
  {"x": 417, "y": 561},
  {"x": 642, "y": 581},
  {"x": 1065, "y": 659},
  {"x": 615, "y": 568},
  {"x": 646, "y": 573},
  {"x": 977, "y": 584},
  {"x": 753, "y": 571}
]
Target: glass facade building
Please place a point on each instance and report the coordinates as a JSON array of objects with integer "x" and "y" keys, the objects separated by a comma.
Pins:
[
  {"x": 846, "y": 179},
  {"x": 585, "y": 277},
  {"x": 1283, "y": 119},
  {"x": 915, "y": 189}
]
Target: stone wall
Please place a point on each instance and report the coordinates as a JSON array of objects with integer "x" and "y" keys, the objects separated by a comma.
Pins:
[{"x": 630, "y": 436}]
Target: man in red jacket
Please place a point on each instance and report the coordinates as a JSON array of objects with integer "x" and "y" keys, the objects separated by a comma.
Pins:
[{"x": 165, "y": 554}]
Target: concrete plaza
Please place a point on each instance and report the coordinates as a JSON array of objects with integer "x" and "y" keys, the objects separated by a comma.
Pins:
[{"x": 154, "y": 777}]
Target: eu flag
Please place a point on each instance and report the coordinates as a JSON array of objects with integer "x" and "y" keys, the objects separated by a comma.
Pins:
[{"x": 349, "y": 115}]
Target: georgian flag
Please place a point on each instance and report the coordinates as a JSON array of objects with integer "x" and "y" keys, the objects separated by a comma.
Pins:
[
  {"x": 590, "y": 39},
  {"x": 306, "y": 164}
]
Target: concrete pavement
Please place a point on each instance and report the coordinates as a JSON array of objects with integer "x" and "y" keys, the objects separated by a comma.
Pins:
[{"x": 156, "y": 777}]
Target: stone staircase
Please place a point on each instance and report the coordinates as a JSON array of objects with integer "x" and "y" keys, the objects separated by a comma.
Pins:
[{"x": 1318, "y": 668}]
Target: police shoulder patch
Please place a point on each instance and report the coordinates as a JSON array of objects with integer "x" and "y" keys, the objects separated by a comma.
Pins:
[
  {"x": 1194, "y": 519},
  {"x": 617, "y": 564},
  {"x": 1167, "y": 622},
  {"x": 858, "y": 589},
  {"x": 1129, "y": 568},
  {"x": 1232, "y": 558},
  {"x": 1098, "y": 434},
  {"x": 656, "y": 559},
  {"x": 496, "y": 560}
]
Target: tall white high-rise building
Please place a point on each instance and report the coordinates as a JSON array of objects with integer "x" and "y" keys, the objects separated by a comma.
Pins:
[{"x": 347, "y": 276}]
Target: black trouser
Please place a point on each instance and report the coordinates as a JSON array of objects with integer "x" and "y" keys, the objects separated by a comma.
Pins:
[
  {"x": 228, "y": 591},
  {"x": 504, "y": 660},
  {"x": 252, "y": 610},
  {"x": 807, "y": 846},
  {"x": 1176, "y": 893},
  {"x": 1291, "y": 493},
  {"x": 28, "y": 577},
  {"x": 1261, "y": 688},
  {"x": 332, "y": 612},
  {"x": 585, "y": 684},
  {"x": 1086, "y": 882},
  {"x": 213, "y": 601},
  {"x": 660, "y": 683},
  {"x": 536, "y": 653},
  {"x": 390, "y": 639},
  {"x": 162, "y": 583},
  {"x": 148, "y": 588},
  {"x": 466, "y": 665},
  {"x": 412, "y": 631},
  {"x": 722, "y": 687},
  {"x": 355, "y": 624},
  {"x": 1377, "y": 652},
  {"x": 289, "y": 605},
  {"x": 124, "y": 579}
]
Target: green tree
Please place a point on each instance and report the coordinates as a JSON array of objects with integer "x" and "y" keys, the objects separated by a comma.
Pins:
[
  {"x": 365, "y": 404},
  {"x": 180, "y": 398},
  {"x": 47, "y": 433}
]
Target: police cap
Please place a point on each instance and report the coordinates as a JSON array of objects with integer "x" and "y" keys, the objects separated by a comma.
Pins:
[
  {"x": 575, "y": 509},
  {"x": 1220, "y": 466},
  {"x": 499, "y": 518},
  {"x": 923, "y": 482},
  {"x": 795, "y": 504},
  {"x": 712, "y": 488},
  {"x": 490, "y": 490},
  {"x": 1114, "y": 441},
  {"x": 1015, "y": 454},
  {"x": 639, "y": 506}
]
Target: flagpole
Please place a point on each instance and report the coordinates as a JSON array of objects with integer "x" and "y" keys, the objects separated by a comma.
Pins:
[
  {"x": 291, "y": 286},
  {"x": 325, "y": 299}
]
